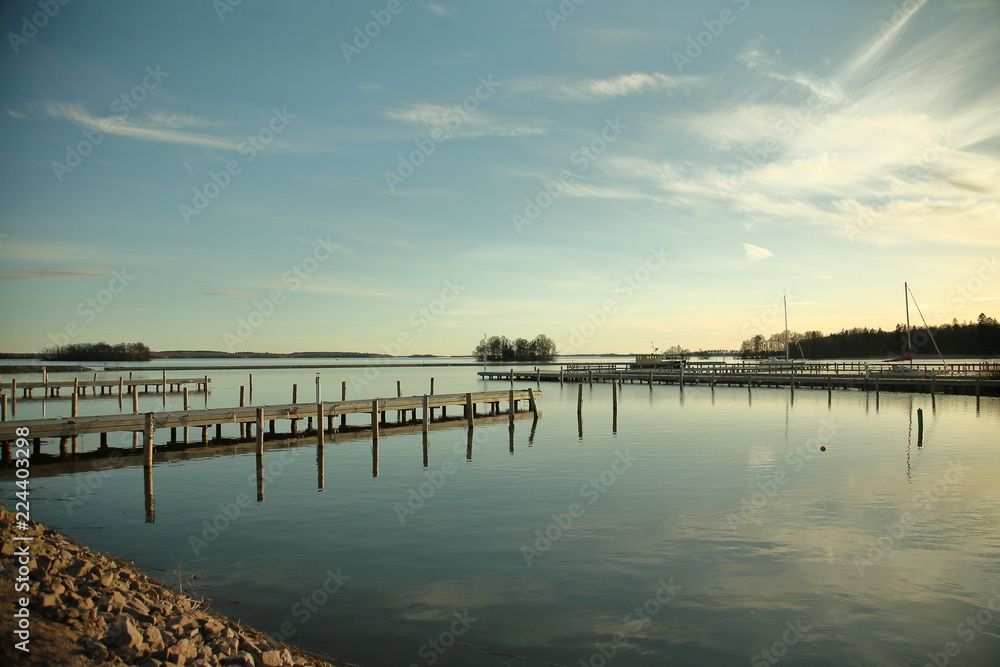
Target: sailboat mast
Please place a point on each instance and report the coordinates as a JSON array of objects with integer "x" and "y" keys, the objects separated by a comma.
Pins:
[
  {"x": 909, "y": 343},
  {"x": 785, "y": 300}
]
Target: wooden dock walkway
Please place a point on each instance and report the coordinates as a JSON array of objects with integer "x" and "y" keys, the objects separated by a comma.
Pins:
[
  {"x": 816, "y": 376},
  {"x": 53, "y": 388},
  {"x": 324, "y": 414}
]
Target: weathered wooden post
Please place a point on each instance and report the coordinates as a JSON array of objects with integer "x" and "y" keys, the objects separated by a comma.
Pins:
[
  {"x": 650, "y": 379},
  {"x": 147, "y": 487},
  {"x": 187, "y": 406},
  {"x": 426, "y": 416},
  {"x": 920, "y": 427},
  {"x": 579, "y": 399},
  {"x": 244, "y": 428},
  {"x": 320, "y": 426},
  {"x": 250, "y": 382},
  {"x": 375, "y": 421},
  {"x": 470, "y": 411},
  {"x": 532, "y": 403},
  {"x": 76, "y": 404},
  {"x": 260, "y": 431},
  {"x": 147, "y": 440},
  {"x": 3, "y": 408},
  {"x": 511, "y": 407},
  {"x": 164, "y": 385},
  {"x": 343, "y": 397},
  {"x": 295, "y": 399}
]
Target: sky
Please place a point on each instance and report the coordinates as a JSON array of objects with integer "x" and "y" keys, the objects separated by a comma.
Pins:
[{"x": 405, "y": 176}]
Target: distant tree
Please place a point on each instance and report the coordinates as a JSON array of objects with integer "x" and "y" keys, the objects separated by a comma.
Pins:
[
  {"x": 499, "y": 348},
  {"x": 97, "y": 352}
]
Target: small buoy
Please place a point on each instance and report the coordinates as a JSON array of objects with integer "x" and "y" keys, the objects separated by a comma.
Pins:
[{"x": 822, "y": 448}]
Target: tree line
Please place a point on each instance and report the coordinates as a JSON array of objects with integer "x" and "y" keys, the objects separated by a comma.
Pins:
[
  {"x": 500, "y": 348},
  {"x": 97, "y": 352},
  {"x": 973, "y": 339}
]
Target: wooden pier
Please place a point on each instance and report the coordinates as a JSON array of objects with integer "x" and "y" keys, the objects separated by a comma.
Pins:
[
  {"x": 968, "y": 379},
  {"x": 53, "y": 388},
  {"x": 323, "y": 413}
]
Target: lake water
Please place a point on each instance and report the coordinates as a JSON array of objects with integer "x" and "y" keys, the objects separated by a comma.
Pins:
[{"x": 707, "y": 529}]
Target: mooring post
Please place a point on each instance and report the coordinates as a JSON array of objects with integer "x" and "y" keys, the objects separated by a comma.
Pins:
[
  {"x": 343, "y": 397},
  {"x": 579, "y": 399},
  {"x": 375, "y": 421},
  {"x": 470, "y": 410},
  {"x": 538, "y": 375},
  {"x": 244, "y": 428},
  {"x": 920, "y": 427},
  {"x": 260, "y": 431},
  {"x": 164, "y": 386},
  {"x": 426, "y": 416},
  {"x": 650, "y": 378},
  {"x": 76, "y": 405},
  {"x": 295, "y": 399},
  {"x": 320, "y": 426},
  {"x": 614, "y": 396},
  {"x": 3, "y": 408},
  {"x": 560, "y": 375},
  {"x": 511, "y": 408},
  {"x": 13, "y": 394},
  {"x": 532, "y": 403},
  {"x": 147, "y": 440},
  {"x": 250, "y": 383},
  {"x": 187, "y": 406},
  {"x": 76, "y": 386}
]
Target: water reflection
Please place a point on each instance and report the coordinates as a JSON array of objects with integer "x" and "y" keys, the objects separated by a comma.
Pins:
[{"x": 792, "y": 559}]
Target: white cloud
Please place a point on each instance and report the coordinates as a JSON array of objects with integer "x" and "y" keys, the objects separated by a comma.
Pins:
[{"x": 756, "y": 253}]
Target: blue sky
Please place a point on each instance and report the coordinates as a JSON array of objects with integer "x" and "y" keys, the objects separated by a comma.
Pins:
[{"x": 405, "y": 176}]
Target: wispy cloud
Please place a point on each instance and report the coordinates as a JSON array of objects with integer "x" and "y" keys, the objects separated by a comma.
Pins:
[
  {"x": 60, "y": 273},
  {"x": 159, "y": 127},
  {"x": 598, "y": 90},
  {"x": 455, "y": 122}
]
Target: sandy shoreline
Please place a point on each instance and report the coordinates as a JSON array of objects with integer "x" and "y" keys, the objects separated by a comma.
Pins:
[{"x": 86, "y": 608}]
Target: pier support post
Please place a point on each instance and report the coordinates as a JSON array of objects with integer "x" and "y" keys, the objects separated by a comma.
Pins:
[
  {"x": 920, "y": 427},
  {"x": 426, "y": 415},
  {"x": 579, "y": 399},
  {"x": 260, "y": 431},
  {"x": 3, "y": 408},
  {"x": 470, "y": 410},
  {"x": 295, "y": 400},
  {"x": 511, "y": 408},
  {"x": 187, "y": 406},
  {"x": 320, "y": 426},
  {"x": 147, "y": 440},
  {"x": 375, "y": 421},
  {"x": 343, "y": 397},
  {"x": 532, "y": 403}
]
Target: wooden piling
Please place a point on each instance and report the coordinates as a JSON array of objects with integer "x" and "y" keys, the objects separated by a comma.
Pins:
[
  {"x": 511, "y": 407},
  {"x": 920, "y": 427},
  {"x": 76, "y": 405},
  {"x": 163, "y": 387},
  {"x": 187, "y": 406},
  {"x": 470, "y": 410},
  {"x": 135, "y": 401},
  {"x": 3, "y": 407},
  {"x": 579, "y": 399},
  {"x": 295, "y": 400},
  {"x": 260, "y": 431},
  {"x": 250, "y": 380},
  {"x": 532, "y": 403},
  {"x": 343, "y": 397},
  {"x": 375, "y": 421},
  {"x": 320, "y": 426},
  {"x": 244, "y": 428},
  {"x": 426, "y": 415},
  {"x": 147, "y": 440}
]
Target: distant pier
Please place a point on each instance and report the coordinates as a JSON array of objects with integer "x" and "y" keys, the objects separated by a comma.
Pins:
[{"x": 979, "y": 379}]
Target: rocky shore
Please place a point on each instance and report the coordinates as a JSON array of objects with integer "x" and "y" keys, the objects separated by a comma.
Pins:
[{"x": 85, "y": 608}]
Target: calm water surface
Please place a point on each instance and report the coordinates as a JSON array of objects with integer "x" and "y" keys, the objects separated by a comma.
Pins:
[{"x": 709, "y": 529}]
